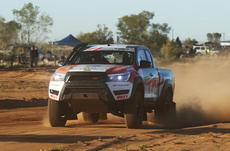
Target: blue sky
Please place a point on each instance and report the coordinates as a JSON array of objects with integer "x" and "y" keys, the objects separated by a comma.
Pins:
[{"x": 188, "y": 18}]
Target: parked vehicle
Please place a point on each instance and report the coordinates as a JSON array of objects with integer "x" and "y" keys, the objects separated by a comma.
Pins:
[
  {"x": 200, "y": 50},
  {"x": 214, "y": 52},
  {"x": 118, "y": 79}
]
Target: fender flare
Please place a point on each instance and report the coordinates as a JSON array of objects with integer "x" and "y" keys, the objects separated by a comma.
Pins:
[
  {"x": 167, "y": 85},
  {"x": 138, "y": 83}
]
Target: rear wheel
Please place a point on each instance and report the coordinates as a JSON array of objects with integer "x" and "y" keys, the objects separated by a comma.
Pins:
[
  {"x": 57, "y": 116},
  {"x": 91, "y": 117},
  {"x": 166, "y": 108},
  {"x": 134, "y": 110},
  {"x": 199, "y": 54}
]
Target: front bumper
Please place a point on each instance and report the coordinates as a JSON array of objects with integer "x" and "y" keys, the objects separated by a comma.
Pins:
[{"x": 89, "y": 86}]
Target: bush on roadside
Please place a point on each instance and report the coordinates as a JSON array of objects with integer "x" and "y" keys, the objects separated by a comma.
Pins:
[{"x": 170, "y": 50}]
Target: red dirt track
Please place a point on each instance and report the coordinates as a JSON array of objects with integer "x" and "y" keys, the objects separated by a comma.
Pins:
[{"x": 24, "y": 125}]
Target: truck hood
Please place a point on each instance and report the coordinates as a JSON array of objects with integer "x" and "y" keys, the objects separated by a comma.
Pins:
[{"x": 94, "y": 68}]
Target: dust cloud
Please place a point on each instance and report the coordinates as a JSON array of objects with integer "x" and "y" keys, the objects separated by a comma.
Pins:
[{"x": 202, "y": 90}]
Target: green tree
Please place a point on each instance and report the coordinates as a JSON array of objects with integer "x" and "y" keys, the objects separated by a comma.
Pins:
[
  {"x": 217, "y": 37},
  {"x": 214, "y": 37},
  {"x": 157, "y": 37},
  {"x": 102, "y": 35},
  {"x": 170, "y": 50},
  {"x": 2, "y": 28},
  {"x": 178, "y": 42},
  {"x": 8, "y": 32},
  {"x": 188, "y": 43},
  {"x": 138, "y": 29},
  {"x": 134, "y": 28},
  {"x": 35, "y": 25},
  {"x": 210, "y": 37}
]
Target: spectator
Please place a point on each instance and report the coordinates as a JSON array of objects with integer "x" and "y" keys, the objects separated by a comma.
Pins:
[
  {"x": 36, "y": 56},
  {"x": 31, "y": 56},
  {"x": 208, "y": 51},
  {"x": 20, "y": 57}
]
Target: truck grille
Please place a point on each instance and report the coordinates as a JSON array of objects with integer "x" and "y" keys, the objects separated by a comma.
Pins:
[{"x": 86, "y": 79}]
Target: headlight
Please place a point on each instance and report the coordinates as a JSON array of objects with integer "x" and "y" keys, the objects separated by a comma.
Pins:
[
  {"x": 58, "y": 76},
  {"x": 119, "y": 77}
]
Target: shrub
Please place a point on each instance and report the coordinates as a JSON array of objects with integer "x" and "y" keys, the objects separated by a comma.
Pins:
[{"x": 170, "y": 50}]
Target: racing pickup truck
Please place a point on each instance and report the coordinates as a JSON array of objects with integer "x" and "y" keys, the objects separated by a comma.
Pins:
[{"x": 118, "y": 79}]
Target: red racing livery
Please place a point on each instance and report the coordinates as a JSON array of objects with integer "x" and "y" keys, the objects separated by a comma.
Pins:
[{"x": 118, "y": 79}]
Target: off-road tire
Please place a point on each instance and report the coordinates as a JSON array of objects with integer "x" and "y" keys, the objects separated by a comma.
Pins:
[
  {"x": 199, "y": 54},
  {"x": 134, "y": 110},
  {"x": 90, "y": 117},
  {"x": 166, "y": 108},
  {"x": 56, "y": 116}
]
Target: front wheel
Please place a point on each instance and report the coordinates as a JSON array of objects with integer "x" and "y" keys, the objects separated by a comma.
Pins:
[
  {"x": 57, "y": 118},
  {"x": 134, "y": 111}
]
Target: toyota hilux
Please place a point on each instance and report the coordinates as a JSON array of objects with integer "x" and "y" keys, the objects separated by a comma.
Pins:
[{"x": 113, "y": 78}]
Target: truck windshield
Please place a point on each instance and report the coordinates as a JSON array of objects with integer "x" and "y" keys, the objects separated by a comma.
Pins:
[{"x": 104, "y": 57}]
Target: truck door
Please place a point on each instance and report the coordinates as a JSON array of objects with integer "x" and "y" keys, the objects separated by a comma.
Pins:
[
  {"x": 145, "y": 73},
  {"x": 153, "y": 73}
]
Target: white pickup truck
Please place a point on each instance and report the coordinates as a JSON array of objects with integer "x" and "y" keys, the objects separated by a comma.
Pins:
[
  {"x": 202, "y": 50},
  {"x": 118, "y": 79}
]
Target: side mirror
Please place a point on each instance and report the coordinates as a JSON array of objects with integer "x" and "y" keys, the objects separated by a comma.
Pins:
[{"x": 145, "y": 64}]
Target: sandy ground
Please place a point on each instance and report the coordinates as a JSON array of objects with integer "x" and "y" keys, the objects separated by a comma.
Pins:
[{"x": 24, "y": 125}]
